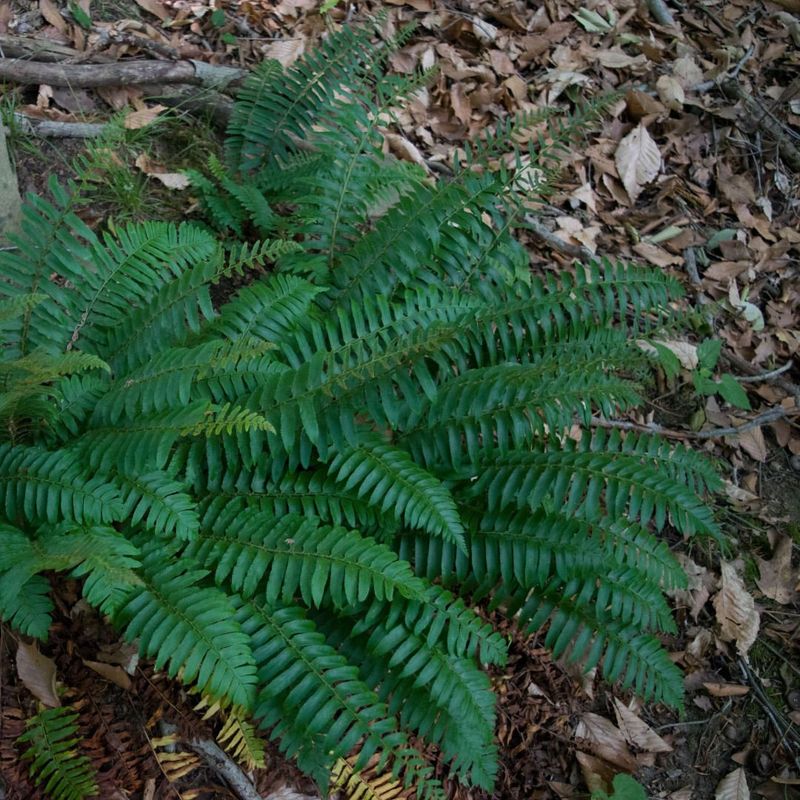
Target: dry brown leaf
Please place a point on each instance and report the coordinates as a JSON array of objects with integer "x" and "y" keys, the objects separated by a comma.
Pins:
[
  {"x": 777, "y": 580},
  {"x": 606, "y": 741},
  {"x": 670, "y": 92},
  {"x": 461, "y": 106},
  {"x": 38, "y": 673},
  {"x": 733, "y": 787},
  {"x": 285, "y": 51},
  {"x": 638, "y": 733},
  {"x": 141, "y": 119},
  {"x": 641, "y": 104},
  {"x": 403, "y": 149},
  {"x": 638, "y": 161},
  {"x": 51, "y": 13},
  {"x": 597, "y": 774},
  {"x": 655, "y": 255},
  {"x": 115, "y": 675},
  {"x": 172, "y": 180},
  {"x": 686, "y": 72},
  {"x": 726, "y": 689},
  {"x": 752, "y": 442},
  {"x": 617, "y": 59},
  {"x": 736, "y": 610},
  {"x": 156, "y": 8}
]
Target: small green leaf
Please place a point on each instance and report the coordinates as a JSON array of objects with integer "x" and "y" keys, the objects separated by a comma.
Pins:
[
  {"x": 625, "y": 788},
  {"x": 708, "y": 353},
  {"x": 217, "y": 17},
  {"x": 668, "y": 360},
  {"x": 703, "y": 384},
  {"x": 80, "y": 16},
  {"x": 732, "y": 391}
]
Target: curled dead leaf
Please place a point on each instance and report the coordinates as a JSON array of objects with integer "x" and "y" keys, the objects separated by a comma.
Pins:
[
  {"x": 777, "y": 580},
  {"x": 142, "y": 118},
  {"x": 172, "y": 180},
  {"x": 38, "y": 673},
  {"x": 606, "y": 741},
  {"x": 726, "y": 689},
  {"x": 637, "y": 732},
  {"x": 737, "y": 616},
  {"x": 638, "y": 161}
]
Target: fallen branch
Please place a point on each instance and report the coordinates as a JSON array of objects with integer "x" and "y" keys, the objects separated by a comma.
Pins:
[
  {"x": 556, "y": 242},
  {"x": 55, "y": 129},
  {"x": 745, "y": 366},
  {"x": 218, "y": 760},
  {"x": 123, "y": 73},
  {"x": 35, "y": 49},
  {"x": 765, "y": 377},
  {"x": 765, "y": 418}
]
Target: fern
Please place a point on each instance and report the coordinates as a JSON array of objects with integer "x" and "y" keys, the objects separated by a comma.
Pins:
[
  {"x": 296, "y": 500},
  {"x": 56, "y": 765}
]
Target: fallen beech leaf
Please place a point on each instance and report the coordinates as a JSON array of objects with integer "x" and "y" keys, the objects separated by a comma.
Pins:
[
  {"x": 617, "y": 59},
  {"x": 141, "y": 119},
  {"x": 736, "y": 610},
  {"x": 285, "y": 51},
  {"x": 51, "y": 13},
  {"x": 155, "y": 8},
  {"x": 726, "y": 689},
  {"x": 752, "y": 442},
  {"x": 733, "y": 787},
  {"x": 670, "y": 92},
  {"x": 641, "y": 104},
  {"x": 606, "y": 741},
  {"x": 597, "y": 774},
  {"x": 461, "y": 106},
  {"x": 111, "y": 673},
  {"x": 638, "y": 161},
  {"x": 777, "y": 580},
  {"x": 655, "y": 255},
  {"x": 38, "y": 673},
  {"x": 638, "y": 733},
  {"x": 686, "y": 72},
  {"x": 484, "y": 31},
  {"x": 403, "y": 149},
  {"x": 172, "y": 180}
]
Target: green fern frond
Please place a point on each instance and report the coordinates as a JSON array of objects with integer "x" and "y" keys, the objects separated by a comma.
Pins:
[
  {"x": 25, "y": 604},
  {"x": 389, "y": 479},
  {"x": 38, "y": 485},
  {"x": 159, "y": 504},
  {"x": 189, "y": 628},
  {"x": 580, "y": 479},
  {"x": 278, "y": 557},
  {"x": 56, "y": 765},
  {"x": 312, "y": 699}
]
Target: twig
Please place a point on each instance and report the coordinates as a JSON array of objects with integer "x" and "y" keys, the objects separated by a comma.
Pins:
[
  {"x": 745, "y": 366},
  {"x": 218, "y": 760},
  {"x": 55, "y": 129},
  {"x": 785, "y": 730},
  {"x": 766, "y": 376},
  {"x": 557, "y": 243},
  {"x": 706, "y": 86},
  {"x": 770, "y": 415},
  {"x": 661, "y": 13},
  {"x": 123, "y": 73}
]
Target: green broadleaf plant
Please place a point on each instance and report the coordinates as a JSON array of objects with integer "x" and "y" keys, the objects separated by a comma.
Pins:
[{"x": 293, "y": 499}]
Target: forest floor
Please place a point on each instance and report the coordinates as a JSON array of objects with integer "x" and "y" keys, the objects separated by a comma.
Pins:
[{"x": 695, "y": 170}]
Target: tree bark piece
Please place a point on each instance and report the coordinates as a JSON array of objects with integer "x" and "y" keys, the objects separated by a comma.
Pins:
[
  {"x": 122, "y": 73},
  {"x": 54, "y": 129},
  {"x": 660, "y": 12}
]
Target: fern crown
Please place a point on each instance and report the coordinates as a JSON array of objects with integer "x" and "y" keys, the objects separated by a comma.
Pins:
[{"x": 294, "y": 498}]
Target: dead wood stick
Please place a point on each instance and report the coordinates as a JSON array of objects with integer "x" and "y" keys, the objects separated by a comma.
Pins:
[
  {"x": 745, "y": 366},
  {"x": 55, "y": 129},
  {"x": 765, "y": 418},
  {"x": 218, "y": 760},
  {"x": 556, "y": 242},
  {"x": 122, "y": 73},
  {"x": 36, "y": 49}
]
